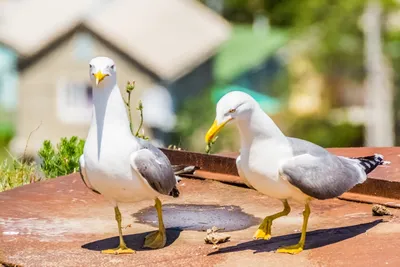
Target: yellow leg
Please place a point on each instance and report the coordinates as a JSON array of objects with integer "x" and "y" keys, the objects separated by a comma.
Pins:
[
  {"x": 157, "y": 239},
  {"x": 264, "y": 230},
  {"x": 122, "y": 248},
  {"x": 299, "y": 246}
]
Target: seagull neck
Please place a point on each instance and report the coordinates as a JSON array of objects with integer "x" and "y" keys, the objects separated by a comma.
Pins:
[
  {"x": 257, "y": 125},
  {"x": 109, "y": 109}
]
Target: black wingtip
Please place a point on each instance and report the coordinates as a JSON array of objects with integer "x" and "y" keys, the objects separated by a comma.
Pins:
[
  {"x": 369, "y": 163},
  {"x": 175, "y": 192}
]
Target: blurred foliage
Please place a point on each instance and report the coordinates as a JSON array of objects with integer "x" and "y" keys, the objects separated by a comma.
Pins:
[
  {"x": 17, "y": 173},
  {"x": 62, "y": 159},
  {"x": 246, "y": 49},
  {"x": 194, "y": 119},
  {"x": 335, "y": 26},
  {"x": 331, "y": 36},
  {"x": 13, "y": 171},
  {"x": 7, "y": 132},
  {"x": 323, "y": 132}
]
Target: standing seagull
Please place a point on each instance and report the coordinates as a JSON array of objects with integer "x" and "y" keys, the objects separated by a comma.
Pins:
[
  {"x": 285, "y": 168},
  {"x": 118, "y": 165}
]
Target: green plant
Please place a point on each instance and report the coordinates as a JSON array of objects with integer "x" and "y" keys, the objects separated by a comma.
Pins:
[
  {"x": 17, "y": 173},
  {"x": 129, "y": 88},
  {"x": 209, "y": 145},
  {"x": 137, "y": 134},
  {"x": 62, "y": 160}
]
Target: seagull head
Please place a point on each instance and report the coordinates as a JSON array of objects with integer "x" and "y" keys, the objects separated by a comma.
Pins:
[
  {"x": 102, "y": 72},
  {"x": 234, "y": 105}
]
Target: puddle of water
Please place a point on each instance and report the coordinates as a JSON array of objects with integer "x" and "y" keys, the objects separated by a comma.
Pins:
[{"x": 198, "y": 217}]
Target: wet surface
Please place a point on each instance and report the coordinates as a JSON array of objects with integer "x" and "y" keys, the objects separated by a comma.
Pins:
[{"x": 199, "y": 217}]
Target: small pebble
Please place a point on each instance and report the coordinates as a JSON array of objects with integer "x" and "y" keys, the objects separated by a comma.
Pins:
[
  {"x": 215, "y": 238},
  {"x": 379, "y": 210}
]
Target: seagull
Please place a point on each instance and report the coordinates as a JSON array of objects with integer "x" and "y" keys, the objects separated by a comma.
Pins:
[
  {"x": 118, "y": 165},
  {"x": 285, "y": 168}
]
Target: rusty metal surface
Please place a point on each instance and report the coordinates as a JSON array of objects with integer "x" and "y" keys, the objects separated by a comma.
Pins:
[
  {"x": 62, "y": 223},
  {"x": 388, "y": 202},
  {"x": 383, "y": 183},
  {"x": 211, "y": 163},
  {"x": 200, "y": 174}
]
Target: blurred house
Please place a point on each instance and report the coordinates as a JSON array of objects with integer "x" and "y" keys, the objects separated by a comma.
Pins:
[{"x": 157, "y": 43}]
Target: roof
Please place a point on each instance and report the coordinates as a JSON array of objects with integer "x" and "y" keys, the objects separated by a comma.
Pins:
[
  {"x": 29, "y": 25},
  {"x": 246, "y": 49},
  {"x": 170, "y": 38},
  {"x": 178, "y": 34}
]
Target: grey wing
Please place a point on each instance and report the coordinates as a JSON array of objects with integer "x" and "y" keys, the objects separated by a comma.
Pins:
[
  {"x": 155, "y": 167},
  {"x": 318, "y": 173},
  {"x": 82, "y": 172}
]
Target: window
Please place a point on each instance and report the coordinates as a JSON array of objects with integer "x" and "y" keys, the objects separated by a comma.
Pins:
[
  {"x": 83, "y": 46},
  {"x": 8, "y": 79},
  {"x": 74, "y": 102}
]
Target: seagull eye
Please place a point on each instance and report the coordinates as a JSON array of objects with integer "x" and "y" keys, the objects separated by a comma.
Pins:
[
  {"x": 90, "y": 66},
  {"x": 232, "y": 110},
  {"x": 112, "y": 67}
]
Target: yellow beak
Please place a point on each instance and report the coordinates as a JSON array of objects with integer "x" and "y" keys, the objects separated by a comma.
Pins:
[
  {"x": 99, "y": 77},
  {"x": 213, "y": 131}
]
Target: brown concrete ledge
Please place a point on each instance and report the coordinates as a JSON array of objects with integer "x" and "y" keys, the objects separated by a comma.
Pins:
[{"x": 382, "y": 185}]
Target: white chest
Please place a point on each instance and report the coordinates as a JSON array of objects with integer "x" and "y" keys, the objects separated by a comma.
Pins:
[
  {"x": 109, "y": 170},
  {"x": 259, "y": 164}
]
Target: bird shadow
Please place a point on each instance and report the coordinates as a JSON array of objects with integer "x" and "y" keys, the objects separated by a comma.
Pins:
[
  {"x": 314, "y": 239},
  {"x": 134, "y": 241}
]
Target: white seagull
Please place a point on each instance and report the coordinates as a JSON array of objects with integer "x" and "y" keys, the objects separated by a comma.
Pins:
[
  {"x": 118, "y": 165},
  {"x": 285, "y": 168}
]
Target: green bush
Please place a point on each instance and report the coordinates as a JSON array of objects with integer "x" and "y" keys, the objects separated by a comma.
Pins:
[
  {"x": 64, "y": 159},
  {"x": 327, "y": 134}
]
